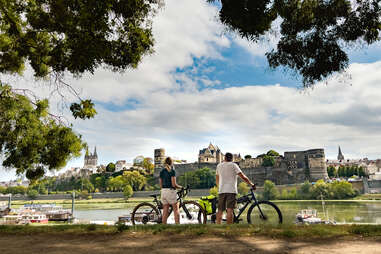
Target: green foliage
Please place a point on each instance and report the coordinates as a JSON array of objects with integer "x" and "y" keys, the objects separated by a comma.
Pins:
[
  {"x": 16, "y": 190},
  {"x": 32, "y": 142},
  {"x": 270, "y": 192},
  {"x": 272, "y": 153},
  {"x": 313, "y": 34},
  {"x": 110, "y": 167},
  {"x": 331, "y": 170},
  {"x": 2, "y": 190},
  {"x": 213, "y": 191},
  {"x": 148, "y": 165},
  {"x": 202, "y": 178},
  {"x": 74, "y": 35},
  {"x": 248, "y": 156},
  {"x": 84, "y": 109},
  {"x": 32, "y": 194},
  {"x": 305, "y": 191},
  {"x": 243, "y": 188},
  {"x": 341, "y": 190},
  {"x": 268, "y": 161},
  {"x": 320, "y": 188},
  {"x": 128, "y": 192},
  {"x": 135, "y": 179}
]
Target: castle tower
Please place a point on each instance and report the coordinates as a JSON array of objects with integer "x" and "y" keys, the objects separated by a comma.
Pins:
[
  {"x": 340, "y": 156},
  {"x": 159, "y": 157}
]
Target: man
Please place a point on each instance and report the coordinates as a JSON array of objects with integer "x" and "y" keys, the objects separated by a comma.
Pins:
[{"x": 226, "y": 180}]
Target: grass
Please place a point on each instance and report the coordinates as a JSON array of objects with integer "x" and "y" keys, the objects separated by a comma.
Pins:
[{"x": 236, "y": 230}]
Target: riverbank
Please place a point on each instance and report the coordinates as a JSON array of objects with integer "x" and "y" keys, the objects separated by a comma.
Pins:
[{"x": 194, "y": 239}]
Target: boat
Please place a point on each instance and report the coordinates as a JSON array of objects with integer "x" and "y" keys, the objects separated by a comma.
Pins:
[
  {"x": 10, "y": 219},
  {"x": 52, "y": 211},
  {"x": 34, "y": 217},
  {"x": 309, "y": 216}
]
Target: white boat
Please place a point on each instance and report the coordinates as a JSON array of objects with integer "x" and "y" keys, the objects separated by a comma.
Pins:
[{"x": 308, "y": 216}]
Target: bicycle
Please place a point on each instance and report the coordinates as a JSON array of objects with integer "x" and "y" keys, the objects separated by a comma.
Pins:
[
  {"x": 260, "y": 212},
  {"x": 190, "y": 211}
]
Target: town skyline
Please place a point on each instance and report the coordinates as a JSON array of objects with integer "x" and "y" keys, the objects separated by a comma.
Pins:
[{"x": 204, "y": 84}]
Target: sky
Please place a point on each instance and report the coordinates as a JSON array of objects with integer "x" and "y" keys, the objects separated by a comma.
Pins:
[{"x": 205, "y": 84}]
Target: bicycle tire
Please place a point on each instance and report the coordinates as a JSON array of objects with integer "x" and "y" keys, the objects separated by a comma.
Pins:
[
  {"x": 271, "y": 212},
  {"x": 194, "y": 208},
  {"x": 154, "y": 212}
]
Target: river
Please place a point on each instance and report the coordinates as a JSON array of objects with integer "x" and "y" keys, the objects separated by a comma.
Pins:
[{"x": 339, "y": 211}]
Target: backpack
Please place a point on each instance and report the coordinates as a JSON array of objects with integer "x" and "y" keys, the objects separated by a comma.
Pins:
[{"x": 209, "y": 204}]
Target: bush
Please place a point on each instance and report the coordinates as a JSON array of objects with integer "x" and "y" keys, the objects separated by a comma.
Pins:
[
  {"x": 305, "y": 191},
  {"x": 268, "y": 161},
  {"x": 269, "y": 191},
  {"x": 243, "y": 188},
  {"x": 32, "y": 194},
  {"x": 320, "y": 188},
  {"x": 341, "y": 190},
  {"x": 128, "y": 192},
  {"x": 214, "y": 191}
]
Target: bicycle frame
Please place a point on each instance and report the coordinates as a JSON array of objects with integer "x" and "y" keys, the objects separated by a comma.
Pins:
[{"x": 252, "y": 198}]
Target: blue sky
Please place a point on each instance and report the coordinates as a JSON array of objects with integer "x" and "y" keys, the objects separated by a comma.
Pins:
[{"x": 204, "y": 85}]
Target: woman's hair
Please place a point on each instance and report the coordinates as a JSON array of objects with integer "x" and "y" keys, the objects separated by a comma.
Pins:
[{"x": 168, "y": 162}]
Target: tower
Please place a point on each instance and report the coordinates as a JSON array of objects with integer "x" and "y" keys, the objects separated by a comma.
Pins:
[
  {"x": 340, "y": 156},
  {"x": 159, "y": 157},
  {"x": 91, "y": 160}
]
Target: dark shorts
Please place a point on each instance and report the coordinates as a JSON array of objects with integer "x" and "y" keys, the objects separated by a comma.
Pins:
[{"x": 226, "y": 200}]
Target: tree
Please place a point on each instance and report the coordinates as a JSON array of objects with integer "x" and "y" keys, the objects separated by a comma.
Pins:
[
  {"x": 128, "y": 192},
  {"x": 136, "y": 180},
  {"x": 148, "y": 165},
  {"x": 243, "y": 188},
  {"x": 320, "y": 188},
  {"x": 331, "y": 170},
  {"x": 269, "y": 191},
  {"x": 305, "y": 190},
  {"x": 272, "y": 153},
  {"x": 248, "y": 156},
  {"x": 313, "y": 34},
  {"x": 2, "y": 189},
  {"x": 116, "y": 183},
  {"x": 32, "y": 194},
  {"x": 341, "y": 190},
  {"x": 58, "y": 37},
  {"x": 110, "y": 167},
  {"x": 268, "y": 161}
]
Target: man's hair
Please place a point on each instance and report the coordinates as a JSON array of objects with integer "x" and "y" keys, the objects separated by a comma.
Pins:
[{"x": 229, "y": 157}]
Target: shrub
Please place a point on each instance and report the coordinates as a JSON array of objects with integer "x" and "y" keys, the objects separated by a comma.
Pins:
[
  {"x": 320, "y": 188},
  {"x": 243, "y": 188},
  {"x": 268, "y": 161},
  {"x": 128, "y": 192},
  {"x": 269, "y": 191},
  {"x": 32, "y": 194}
]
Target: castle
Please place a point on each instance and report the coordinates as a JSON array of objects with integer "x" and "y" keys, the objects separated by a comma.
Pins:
[
  {"x": 91, "y": 160},
  {"x": 293, "y": 167},
  {"x": 213, "y": 154}
]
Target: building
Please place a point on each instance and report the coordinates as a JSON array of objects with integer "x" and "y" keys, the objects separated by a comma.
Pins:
[
  {"x": 213, "y": 154},
  {"x": 138, "y": 161},
  {"x": 91, "y": 160},
  {"x": 340, "y": 156},
  {"x": 122, "y": 165}
]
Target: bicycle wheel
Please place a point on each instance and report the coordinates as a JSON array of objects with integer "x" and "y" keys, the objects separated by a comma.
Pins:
[
  {"x": 268, "y": 214},
  {"x": 145, "y": 213},
  {"x": 192, "y": 213}
]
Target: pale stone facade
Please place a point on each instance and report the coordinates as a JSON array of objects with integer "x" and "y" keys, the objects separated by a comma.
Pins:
[{"x": 91, "y": 160}]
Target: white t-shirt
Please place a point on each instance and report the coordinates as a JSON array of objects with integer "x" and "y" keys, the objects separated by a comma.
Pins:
[{"x": 227, "y": 172}]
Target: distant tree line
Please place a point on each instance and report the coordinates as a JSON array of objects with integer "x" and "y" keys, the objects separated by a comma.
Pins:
[{"x": 346, "y": 171}]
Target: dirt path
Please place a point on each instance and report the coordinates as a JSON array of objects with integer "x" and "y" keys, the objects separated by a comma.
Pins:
[{"x": 130, "y": 243}]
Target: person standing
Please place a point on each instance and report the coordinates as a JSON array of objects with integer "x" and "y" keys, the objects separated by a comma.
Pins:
[
  {"x": 168, "y": 187},
  {"x": 226, "y": 180}
]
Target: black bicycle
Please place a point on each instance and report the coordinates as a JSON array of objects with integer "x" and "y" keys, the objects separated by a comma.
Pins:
[
  {"x": 260, "y": 212},
  {"x": 150, "y": 213}
]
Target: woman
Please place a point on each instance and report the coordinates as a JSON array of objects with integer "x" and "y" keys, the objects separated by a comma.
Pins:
[{"x": 168, "y": 187}]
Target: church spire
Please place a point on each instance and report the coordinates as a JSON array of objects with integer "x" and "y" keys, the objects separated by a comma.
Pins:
[
  {"x": 340, "y": 156},
  {"x": 95, "y": 152}
]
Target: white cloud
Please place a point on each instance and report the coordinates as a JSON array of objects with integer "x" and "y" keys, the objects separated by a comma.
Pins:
[{"x": 249, "y": 119}]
